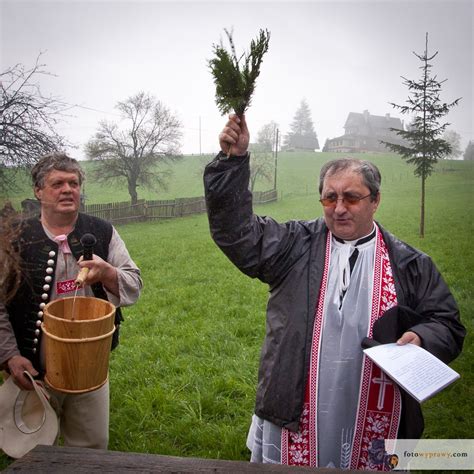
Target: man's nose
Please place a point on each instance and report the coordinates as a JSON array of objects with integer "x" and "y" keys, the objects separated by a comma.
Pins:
[
  {"x": 67, "y": 188},
  {"x": 340, "y": 206}
]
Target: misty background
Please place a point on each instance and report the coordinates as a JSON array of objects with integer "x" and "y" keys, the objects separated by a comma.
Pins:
[{"x": 340, "y": 56}]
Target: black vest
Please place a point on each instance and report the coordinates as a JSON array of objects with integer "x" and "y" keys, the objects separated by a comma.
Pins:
[{"x": 38, "y": 260}]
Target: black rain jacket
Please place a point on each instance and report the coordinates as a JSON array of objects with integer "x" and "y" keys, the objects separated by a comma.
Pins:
[{"x": 289, "y": 257}]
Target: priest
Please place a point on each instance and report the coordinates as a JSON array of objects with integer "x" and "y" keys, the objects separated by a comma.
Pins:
[{"x": 335, "y": 283}]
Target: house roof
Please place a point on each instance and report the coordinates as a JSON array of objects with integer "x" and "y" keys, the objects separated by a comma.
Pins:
[{"x": 370, "y": 123}]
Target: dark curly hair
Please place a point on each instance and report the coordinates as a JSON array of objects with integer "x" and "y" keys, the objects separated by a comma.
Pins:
[
  {"x": 369, "y": 172},
  {"x": 55, "y": 161}
]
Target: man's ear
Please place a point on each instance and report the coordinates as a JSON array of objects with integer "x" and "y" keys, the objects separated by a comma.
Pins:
[
  {"x": 377, "y": 201},
  {"x": 38, "y": 192}
]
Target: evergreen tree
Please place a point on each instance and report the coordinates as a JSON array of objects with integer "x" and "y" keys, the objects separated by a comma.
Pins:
[
  {"x": 469, "y": 151},
  {"x": 302, "y": 135},
  {"x": 424, "y": 146}
]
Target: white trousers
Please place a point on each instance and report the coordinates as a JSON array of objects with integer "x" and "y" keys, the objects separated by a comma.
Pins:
[{"x": 83, "y": 417}]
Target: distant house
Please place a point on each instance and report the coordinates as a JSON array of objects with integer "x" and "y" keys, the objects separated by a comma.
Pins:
[{"x": 363, "y": 133}]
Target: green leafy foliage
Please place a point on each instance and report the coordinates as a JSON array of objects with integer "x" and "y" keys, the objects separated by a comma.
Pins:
[{"x": 235, "y": 82}]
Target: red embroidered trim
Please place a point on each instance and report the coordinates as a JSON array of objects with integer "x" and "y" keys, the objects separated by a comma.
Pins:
[
  {"x": 380, "y": 402},
  {"x": 295, "y": 445},
  {"x": 66, "y": 286}
]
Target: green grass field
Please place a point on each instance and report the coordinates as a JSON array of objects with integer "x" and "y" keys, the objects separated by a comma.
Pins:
[{"x": 183, "y": 379}]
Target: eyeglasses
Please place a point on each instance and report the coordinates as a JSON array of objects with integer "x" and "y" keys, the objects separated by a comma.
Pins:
[{"x": 331, "y": 201}]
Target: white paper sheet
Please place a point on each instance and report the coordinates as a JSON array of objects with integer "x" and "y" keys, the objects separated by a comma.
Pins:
[{"x": 416, "y": 370}]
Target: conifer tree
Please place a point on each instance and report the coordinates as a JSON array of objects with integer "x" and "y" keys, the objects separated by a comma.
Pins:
[
  {"x": 424, "y": 145},
  {"x": 302, "y": 135}
]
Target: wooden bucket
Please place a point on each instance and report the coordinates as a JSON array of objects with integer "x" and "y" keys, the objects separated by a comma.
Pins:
[{"x": 77, "y": 346}]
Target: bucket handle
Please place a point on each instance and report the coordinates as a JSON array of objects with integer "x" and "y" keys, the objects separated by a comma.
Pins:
[{"x": 86, "y": 339}]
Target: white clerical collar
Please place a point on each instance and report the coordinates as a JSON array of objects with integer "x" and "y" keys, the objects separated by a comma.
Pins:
[
  {"x": 355, "y": 242},
  {"x": 347, "y": 254}
]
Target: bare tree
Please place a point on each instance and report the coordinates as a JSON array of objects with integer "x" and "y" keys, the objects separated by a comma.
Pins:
[
  {"x": 148, "y": 136},
  {"x": 454, "y": 140},
  {"x": 266, "y": 136},
  {"x": 469, "y": 151},
  {"x": 262, "y": 163},
  {"x": 27, "y": 120}
]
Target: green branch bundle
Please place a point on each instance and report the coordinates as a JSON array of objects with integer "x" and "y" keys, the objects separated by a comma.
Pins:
[{"x": 235, "y": 82}]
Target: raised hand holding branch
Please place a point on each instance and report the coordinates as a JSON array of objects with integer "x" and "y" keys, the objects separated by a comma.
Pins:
[{"x": 234, "y": 138}]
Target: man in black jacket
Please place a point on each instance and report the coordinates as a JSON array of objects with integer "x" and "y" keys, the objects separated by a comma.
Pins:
[
  {"x": 51, "y": 251},
  {"x": 333, "y": 282}
]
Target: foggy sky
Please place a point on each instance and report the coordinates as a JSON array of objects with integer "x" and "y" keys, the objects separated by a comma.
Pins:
[{"x": 341, "y": 56}]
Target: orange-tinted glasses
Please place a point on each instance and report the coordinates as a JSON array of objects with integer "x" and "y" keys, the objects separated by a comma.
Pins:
[{"x": 348, "y": 199}]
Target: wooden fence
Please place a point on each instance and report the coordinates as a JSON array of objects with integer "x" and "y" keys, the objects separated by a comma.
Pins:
[{"x": 125, "y": 212}]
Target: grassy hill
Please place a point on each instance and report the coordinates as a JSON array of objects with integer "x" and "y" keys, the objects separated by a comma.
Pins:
[{"x": 297, "y": 174}]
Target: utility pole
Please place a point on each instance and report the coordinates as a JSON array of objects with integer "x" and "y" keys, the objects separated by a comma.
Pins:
[
  {"x": 199, "y": 135},
  {"x": 276, "y": 158}
]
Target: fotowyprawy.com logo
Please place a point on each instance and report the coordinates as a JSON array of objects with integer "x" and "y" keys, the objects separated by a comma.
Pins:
[{"x": 430, "y": 454}]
